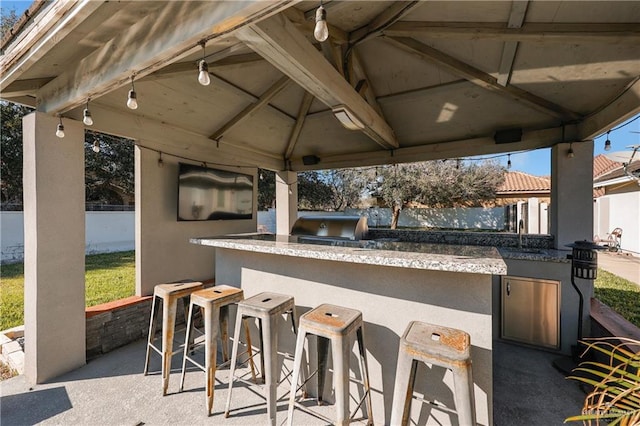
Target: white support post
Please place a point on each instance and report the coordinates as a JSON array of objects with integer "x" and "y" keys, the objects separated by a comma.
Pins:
[
  {"x": 533, "y": 225},
  {"x": 54, "y": 233},
  {"x": 572, "y": 193},
  {"x": 286, "y": 201}
]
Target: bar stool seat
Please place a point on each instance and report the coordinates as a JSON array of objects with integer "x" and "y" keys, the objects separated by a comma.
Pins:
[
  {"x": 267, "y": 308},
  {"x": 215, "y": 302},
  {"x": 168, "y": 294},
  {"x": 437, "y": 345},
  {"x": 339, "y": 326}
]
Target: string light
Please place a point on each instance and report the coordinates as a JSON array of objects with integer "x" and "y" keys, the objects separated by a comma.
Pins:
[
  {"x": 160, "y": 162},
  {"x": 607, "y": 143},
  {"x": 60, "y": 129},
  {"x": 509, "y": 161},
  {"x": 570, "y": 152},
  {"x": 203, "y": 69},
  {"x": 132, "y": 98},
  {"x": 96, "y": 146},
  {"x": 321, "y": 30},
  {"x": 86, "y": 115}
]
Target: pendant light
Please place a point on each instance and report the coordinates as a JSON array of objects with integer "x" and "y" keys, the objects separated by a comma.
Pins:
[
  {"x": 60, "y": 129},
  {"x": 86, "y": 116},
  {"x": 607, "y": 143},
  {"x": 203, "y": 69},
  {"x": 132, "y": 98},
  {"x": 96, "y": 146},
  {"x": 321, "y": 30}
]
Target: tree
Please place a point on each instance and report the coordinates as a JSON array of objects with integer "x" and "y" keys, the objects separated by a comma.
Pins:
[
  {"x": 266, "y": 189},
  {"x": 11, "y": 149},
  {"x": 439, "y": 184},
  {"x": 109, "y": 173},
  {"x": 7, "y": 21}
]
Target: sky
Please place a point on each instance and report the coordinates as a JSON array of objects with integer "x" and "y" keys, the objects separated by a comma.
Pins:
[{"x": 537, "y": 162}]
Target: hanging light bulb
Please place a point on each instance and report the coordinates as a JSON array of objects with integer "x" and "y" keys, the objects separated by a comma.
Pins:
[
  {"x": 96, "y": 146},
  {"x": 570, "y": 153},
  {"x": 132, "y": 99},
  {"x": 607, "y": 143},
  {"x": 290, "y": 190},
  {"x": 321, "y": 31},
  {"x": 509, "y": 161},
  {"x": 86, "y": 116},
  {"x": 160, "y": 162},
  {"x": 203, "y": 68},
  {"x": 60, "y": 129}
]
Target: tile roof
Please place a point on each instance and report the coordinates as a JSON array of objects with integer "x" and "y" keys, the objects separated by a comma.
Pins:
[
  {"x": 523, "y": 182},
  {"x": 618, "y": 172},
  {"x": 602, "y": 165}
]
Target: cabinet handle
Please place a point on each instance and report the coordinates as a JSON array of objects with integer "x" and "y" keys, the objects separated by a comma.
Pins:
[{"x": 508, "y": 289}]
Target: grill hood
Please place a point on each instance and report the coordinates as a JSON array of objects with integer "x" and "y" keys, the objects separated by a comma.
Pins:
[{"x": 331, "y": 227}]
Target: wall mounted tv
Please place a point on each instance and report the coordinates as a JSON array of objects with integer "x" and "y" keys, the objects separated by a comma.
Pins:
[{"x": 212, "y": 194}]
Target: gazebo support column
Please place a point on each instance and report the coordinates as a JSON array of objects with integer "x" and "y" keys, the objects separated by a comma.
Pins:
[
  {"x": 286, "y": 201},
  {"x": 54, "y": 242},
  {"x": 571, "y": 193}
]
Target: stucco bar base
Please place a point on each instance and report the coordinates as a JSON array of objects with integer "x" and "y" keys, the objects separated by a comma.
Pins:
[{"x": 389, "y": 297}]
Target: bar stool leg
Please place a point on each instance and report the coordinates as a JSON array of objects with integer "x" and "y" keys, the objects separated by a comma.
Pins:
[
  {"x": 294, "y": 327},
  {"x": 341, "y": 352},
  {"x": 224, "y": 332},
  {"x": 168, "y": 327},
  {"x": 297, "y": 363},
  {"x": 364, "y": 367},
  {"x": 403, "y": 389},
  {"x": 463, "y": 385},
  {"x": 271, "y": 365},
  {"x": 152, "y": 333},
  {"x": 323, "y": 355},
  {"x": 187, "y": 347},
  {"x": 211, "y": 349}
]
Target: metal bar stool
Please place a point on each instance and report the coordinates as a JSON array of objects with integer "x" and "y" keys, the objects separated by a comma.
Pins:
[
  {"x": 267, "y": 308},
  {"x": 337, "y": 325},
  {"x": 168, "y": 294},
  {"x": 436, "y": 345},
  {"x": 215, "y": 302}
]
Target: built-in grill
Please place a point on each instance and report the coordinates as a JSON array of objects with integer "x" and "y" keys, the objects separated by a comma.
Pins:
[{"x": 330, "y": 228}]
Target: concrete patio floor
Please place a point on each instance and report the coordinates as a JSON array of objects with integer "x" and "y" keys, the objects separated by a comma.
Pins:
[{"x": 111, "y": 390}]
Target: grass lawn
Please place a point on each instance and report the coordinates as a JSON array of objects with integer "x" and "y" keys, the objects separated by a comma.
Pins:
[
  {"x": 619, "y": 294},
  {"x": 108, "y": 277}
]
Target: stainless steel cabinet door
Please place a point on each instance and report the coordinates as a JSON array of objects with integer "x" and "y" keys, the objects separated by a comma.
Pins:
[{"x": 531, "y": 311}]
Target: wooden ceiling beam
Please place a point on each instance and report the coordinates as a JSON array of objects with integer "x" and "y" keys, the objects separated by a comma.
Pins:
[
  {"x": 192, "y": 66},
  {"x": 36, "y": 40},
  {"x": 387, "y": 17},
  {"x": 516, "y": 18},
  {"x": 529, "y": 32},
  {"x": 305, "y": 105},
  {"x": 481, "y": 78},
  {"x": 253, "y": 108},
  {"x": 620, "y": 109},
  {"x": 279, "y": 42},
  {"x": 533, "y": 139},
  {"x": 147, "y": 47},
  {"x": 299, "y": 19},
  {"x": 24, "y": 87}
]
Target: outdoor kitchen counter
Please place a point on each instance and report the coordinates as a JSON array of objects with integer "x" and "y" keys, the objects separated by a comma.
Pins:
[
  {"x": 392, "y": 283},
  {"x": 435, "y": 257}
]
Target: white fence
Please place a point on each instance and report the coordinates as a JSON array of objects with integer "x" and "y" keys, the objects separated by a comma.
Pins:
[{"x": 104, "y": 232}]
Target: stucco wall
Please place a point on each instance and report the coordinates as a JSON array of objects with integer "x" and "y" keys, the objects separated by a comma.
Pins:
[
  {"x": 163, "y": 251},
  {"x": 619, "y": 211}
]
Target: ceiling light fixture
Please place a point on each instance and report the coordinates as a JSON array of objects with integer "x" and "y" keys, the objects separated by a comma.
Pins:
[
  {"x": 96, "y": 146},
  {"x": 132, "y": 98},
  {"x": 60, "y": 129},
  {"x": 86, "y": 115},
  {"x": 160, "y": 162},
  {"x": 607, "y": 143},
  {"x": 347, "y": 118},
  {"x": 570, "y": 153},
  {"x": 203, "y": 69},
  {"x": 321, "y": 30}
]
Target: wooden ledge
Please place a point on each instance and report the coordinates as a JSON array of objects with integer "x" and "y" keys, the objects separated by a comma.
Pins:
[
  {"x": 613, "y": 322},
  {"x": 120, "y": 303}
]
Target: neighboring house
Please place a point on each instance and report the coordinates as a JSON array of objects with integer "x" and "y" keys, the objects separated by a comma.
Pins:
[
  {"x": 617, "y": 204},
  {"x": 520, "y": 186}
]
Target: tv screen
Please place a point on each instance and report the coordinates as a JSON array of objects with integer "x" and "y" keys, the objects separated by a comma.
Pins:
[{"x": 211, "y": 194}]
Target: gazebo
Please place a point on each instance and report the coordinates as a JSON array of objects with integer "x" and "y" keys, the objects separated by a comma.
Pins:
[{"x": 396, "y": 81}]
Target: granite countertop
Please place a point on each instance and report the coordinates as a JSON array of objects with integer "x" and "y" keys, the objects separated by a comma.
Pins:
[
  {"x": 535, "y": 254},
  {"x": 436, "y": 257}
]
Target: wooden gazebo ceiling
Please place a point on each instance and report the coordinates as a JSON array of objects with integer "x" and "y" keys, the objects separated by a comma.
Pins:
[{"x": 427, "y": 79}]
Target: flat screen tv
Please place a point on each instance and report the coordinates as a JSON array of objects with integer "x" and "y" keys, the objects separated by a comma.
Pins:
[{"x": 212, "y": 194}]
